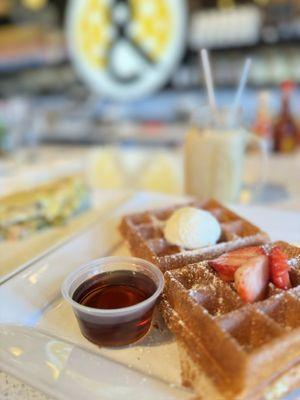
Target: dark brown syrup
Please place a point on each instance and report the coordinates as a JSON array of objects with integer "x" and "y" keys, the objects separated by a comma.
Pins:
[{"x": 115, "y": 290}]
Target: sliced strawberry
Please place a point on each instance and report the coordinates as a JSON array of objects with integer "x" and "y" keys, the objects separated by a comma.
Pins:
[
  {"x": 279, "y": 268},
  {"x": 228, "y": 263},
  {"x": 252, "y": 278},
  {"x": 248, "y": 252},
  {"x": 224, "y": 277}
]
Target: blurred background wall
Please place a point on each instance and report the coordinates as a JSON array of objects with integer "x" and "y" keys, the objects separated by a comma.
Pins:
[{"x": 37, "y": 79}]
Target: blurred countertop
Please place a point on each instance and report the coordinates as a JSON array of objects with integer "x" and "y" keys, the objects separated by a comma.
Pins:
[{"x": 141, "y": 168}]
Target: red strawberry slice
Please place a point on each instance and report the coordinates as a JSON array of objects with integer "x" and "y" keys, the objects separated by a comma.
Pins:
[
  {"x": 224, "y": 277},
  {"x": 228, "y": 263},
  {"x": 279, "y": 268},
  {"x": 248, "y": 252},
  {"x": 252, "y": 278}
]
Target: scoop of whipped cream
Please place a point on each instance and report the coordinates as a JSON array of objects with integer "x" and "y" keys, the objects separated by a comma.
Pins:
[{"x": 191, "y": 228}]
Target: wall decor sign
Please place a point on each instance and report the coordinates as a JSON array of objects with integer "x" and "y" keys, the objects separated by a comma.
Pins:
[{"x": 126, "y": 49}]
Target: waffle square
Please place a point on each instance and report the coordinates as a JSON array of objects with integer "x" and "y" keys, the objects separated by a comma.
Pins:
[
  {"x": 229, "y": 349},
  {"x": 144, "y": 233}
]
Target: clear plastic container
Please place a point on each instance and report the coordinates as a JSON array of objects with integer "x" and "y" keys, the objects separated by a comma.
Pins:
[{"x": 115, "y": 326}]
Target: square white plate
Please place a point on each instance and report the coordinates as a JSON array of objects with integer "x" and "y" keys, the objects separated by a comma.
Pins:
[
  {"x": 46, "y": 348},
  {"x": 18, "y": 255}
]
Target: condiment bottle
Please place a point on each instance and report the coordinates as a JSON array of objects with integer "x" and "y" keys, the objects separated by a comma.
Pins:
[
  {"x": 263, "y": 126},
  {"x": 285, "y": 128}
]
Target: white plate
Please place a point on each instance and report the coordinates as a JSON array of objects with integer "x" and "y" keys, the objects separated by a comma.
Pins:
[
  {"x": 17, "y": 255},
  {"x": 47, "y": 349}
]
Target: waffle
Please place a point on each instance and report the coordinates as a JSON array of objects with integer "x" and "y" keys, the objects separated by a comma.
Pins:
[
  {"x": 229, "y": 349},
  {"x": 144, "y": 233}
]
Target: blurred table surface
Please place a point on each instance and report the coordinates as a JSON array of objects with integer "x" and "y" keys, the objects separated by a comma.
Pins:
[{"x": 136, "y": 168}]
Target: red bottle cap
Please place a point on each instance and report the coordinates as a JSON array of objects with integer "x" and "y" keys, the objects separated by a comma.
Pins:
[{"x": 288, "y": 86}]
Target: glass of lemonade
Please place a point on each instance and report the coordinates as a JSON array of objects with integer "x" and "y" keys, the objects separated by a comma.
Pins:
[{"x": 214, "y": 152}]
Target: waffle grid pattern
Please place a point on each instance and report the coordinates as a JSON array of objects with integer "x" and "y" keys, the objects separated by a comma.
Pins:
[
  {"x": 144, "y": 232},
  {"x": 242, "y": 347}
]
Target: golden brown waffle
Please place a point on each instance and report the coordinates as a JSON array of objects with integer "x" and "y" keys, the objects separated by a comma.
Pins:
[
  {"x": 144, "y": 232},
  {"x": 229, "y": 349}
]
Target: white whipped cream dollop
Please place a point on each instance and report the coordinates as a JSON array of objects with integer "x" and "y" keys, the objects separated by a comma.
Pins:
[{"x": 191, "y": 228}]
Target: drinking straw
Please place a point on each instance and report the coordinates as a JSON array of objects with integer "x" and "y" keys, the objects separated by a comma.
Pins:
[
  {"x": 208, "y": 80},
  {"x": 241, "y": 87}
]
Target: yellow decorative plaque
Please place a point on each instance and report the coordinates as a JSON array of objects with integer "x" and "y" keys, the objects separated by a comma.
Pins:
[{"x": 125, "y": 49}]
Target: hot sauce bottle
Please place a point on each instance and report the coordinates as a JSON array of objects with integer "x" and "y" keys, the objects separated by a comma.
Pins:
[{"x": 285, "y": 127}]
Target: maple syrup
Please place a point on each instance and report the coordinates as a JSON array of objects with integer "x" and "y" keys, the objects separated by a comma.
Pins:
[{"x": 110, "y": 291}]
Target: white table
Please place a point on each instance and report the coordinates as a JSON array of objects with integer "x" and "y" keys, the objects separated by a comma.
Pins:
[{"x": 284, "y": 172}]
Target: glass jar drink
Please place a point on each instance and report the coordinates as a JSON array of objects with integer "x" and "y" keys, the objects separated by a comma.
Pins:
[{"x": 214, "y": 152}]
